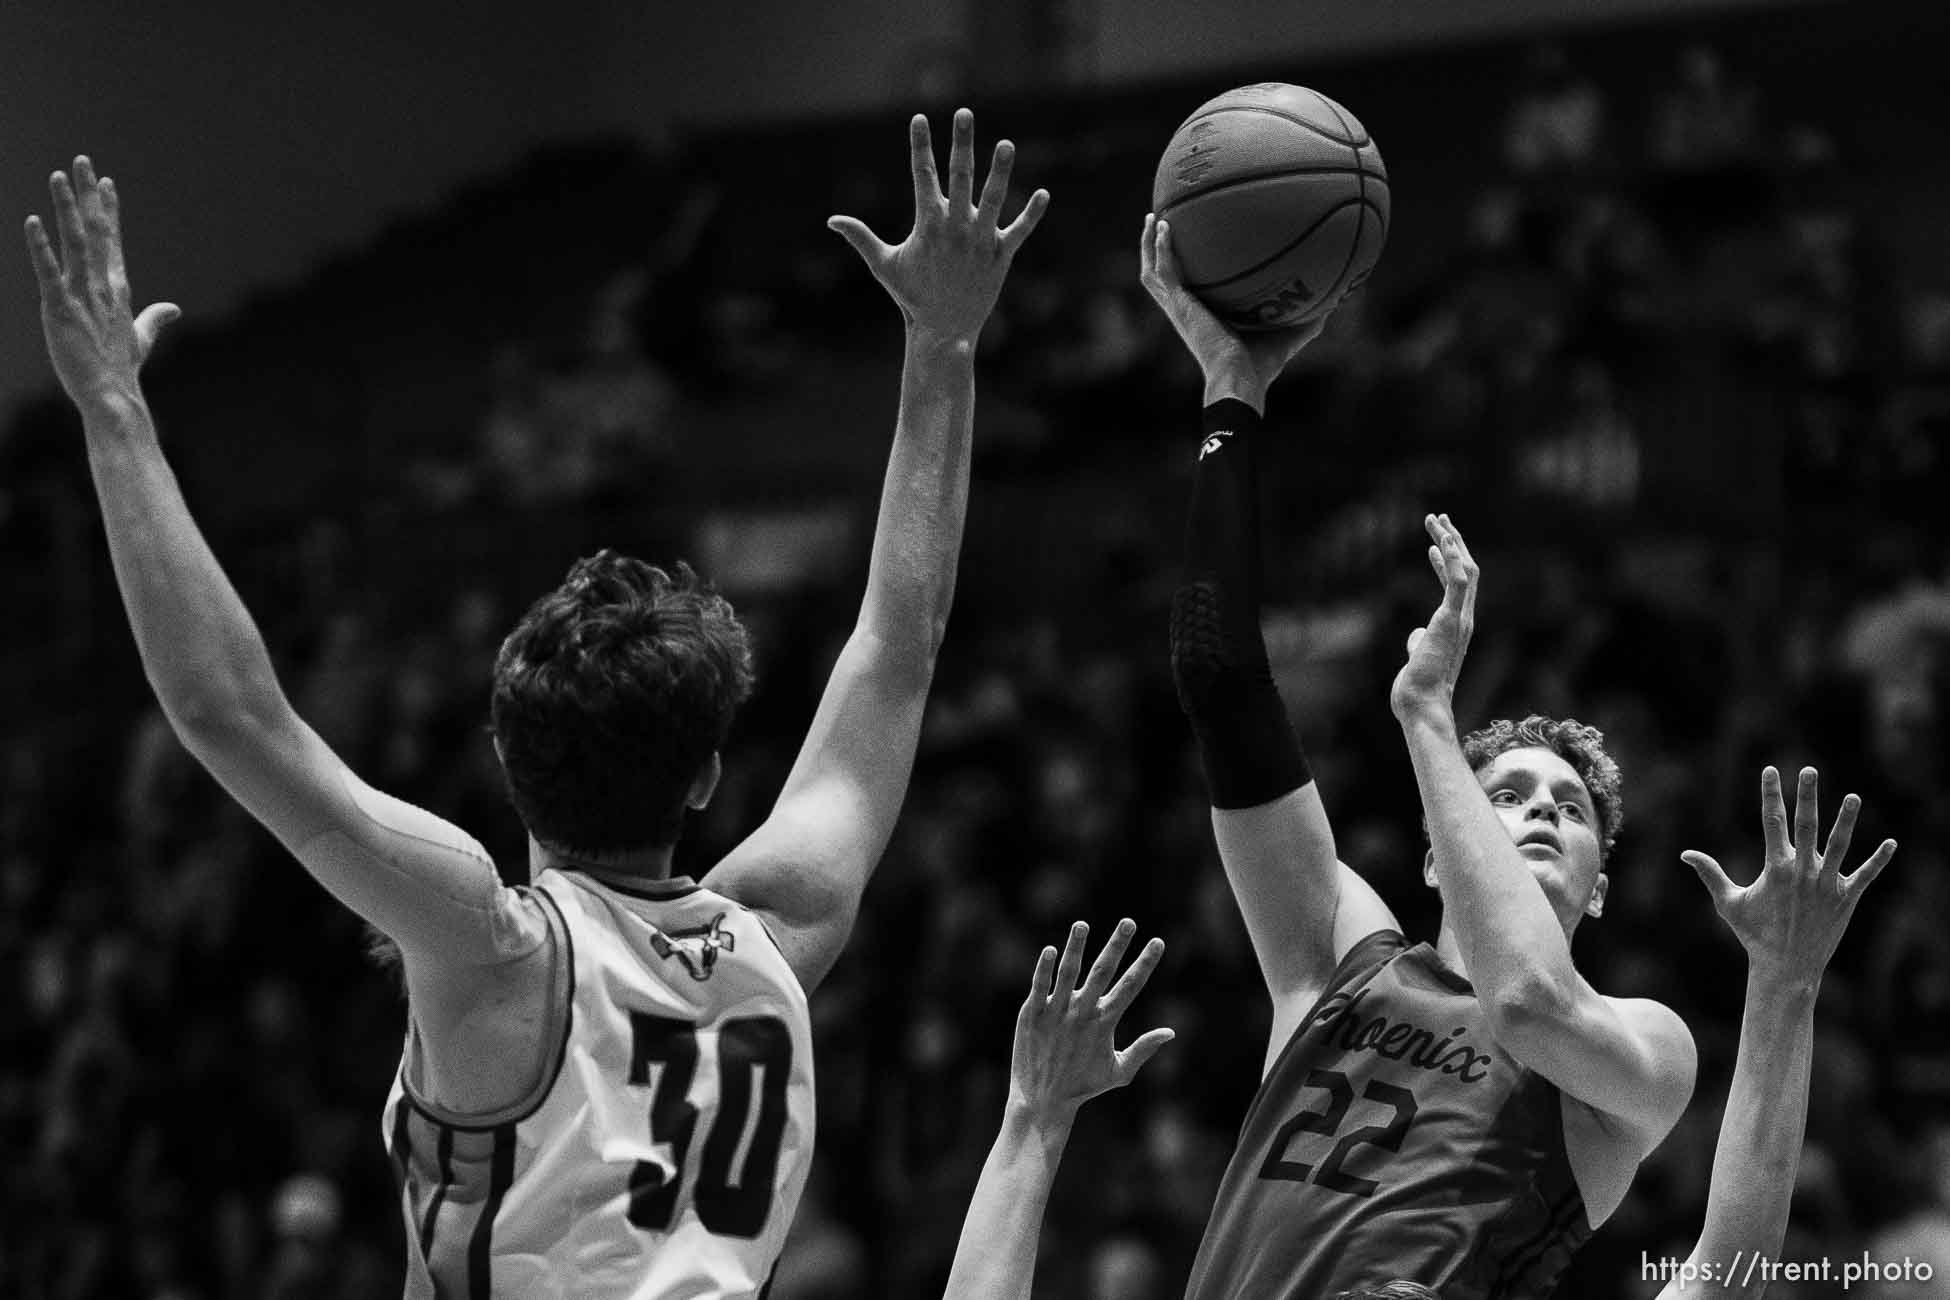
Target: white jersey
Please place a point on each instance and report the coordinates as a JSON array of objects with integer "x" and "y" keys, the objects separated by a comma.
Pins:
[{"x": 666, "y": 1158}]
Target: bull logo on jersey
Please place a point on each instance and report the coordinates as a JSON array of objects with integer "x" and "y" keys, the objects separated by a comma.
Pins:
[{"x": 697, "y": 948}]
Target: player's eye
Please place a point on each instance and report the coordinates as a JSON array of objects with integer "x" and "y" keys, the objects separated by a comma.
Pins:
[
  {"x": 1506, "y": 797},
  {"x": 1572, "y": 810}
]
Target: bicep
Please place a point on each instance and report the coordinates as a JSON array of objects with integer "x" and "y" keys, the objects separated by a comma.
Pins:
[
  {"x": 421, "y": 881},
  {"x": 1630, "y": 1060},
  {"x": 806, "y": 867}
]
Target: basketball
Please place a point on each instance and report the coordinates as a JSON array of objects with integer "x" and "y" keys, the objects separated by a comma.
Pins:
[{"x": 1278, "y": 204}]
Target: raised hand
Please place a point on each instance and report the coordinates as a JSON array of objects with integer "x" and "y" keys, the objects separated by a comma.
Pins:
[
  {"x": 946, "y": 274},
  {"x": 96, "y": 343},
  {"x": 1790, "y": 919},
  {"x": 1427, "y": 682},
  {"x": 1066, "y": 1049},
  {"x": 1235, "y": 364}
]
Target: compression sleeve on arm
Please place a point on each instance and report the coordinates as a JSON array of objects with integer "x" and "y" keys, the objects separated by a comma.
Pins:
[{"x": 1218, "y": 655}]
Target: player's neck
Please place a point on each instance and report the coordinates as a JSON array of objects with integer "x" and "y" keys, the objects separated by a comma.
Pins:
[{"x": 639, "y": 864}]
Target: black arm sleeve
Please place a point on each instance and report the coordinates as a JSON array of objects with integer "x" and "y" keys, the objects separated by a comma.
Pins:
[{"x": 1218, "y": 655}]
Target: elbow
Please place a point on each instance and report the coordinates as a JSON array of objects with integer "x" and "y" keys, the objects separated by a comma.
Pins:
[
  {"x": 1524, "y": 1003},
  {"x": 205, "y": 719}
]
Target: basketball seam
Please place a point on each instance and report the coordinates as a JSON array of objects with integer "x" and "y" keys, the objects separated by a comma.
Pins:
[
  {"x": 1274, "y": 112},
  {"x": 1292, "y": 244},
  {"x": 1220, "y": 187},
  {"x": 1361, "y": 182}
]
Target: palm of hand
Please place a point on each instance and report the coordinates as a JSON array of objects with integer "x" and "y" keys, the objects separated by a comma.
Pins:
[
  {"x": 1789, "y": 911},
  {"x": 1436, "y": 651},
  {"x": 1792, "y": 916}
]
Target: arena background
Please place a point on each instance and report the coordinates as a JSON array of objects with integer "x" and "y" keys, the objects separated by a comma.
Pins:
[{"x": 1664, "y": 323}]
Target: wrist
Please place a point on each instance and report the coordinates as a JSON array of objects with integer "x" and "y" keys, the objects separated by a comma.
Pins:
[
  {"x": 1775, "y": 978},
  {"x": 1428, "y": 718},
  {"x": 1045, "y": 1121},
  {"x": 110, "y": 401},
  {"x": 952, "y": 344},
  {"x": 1222, "y": 382}
]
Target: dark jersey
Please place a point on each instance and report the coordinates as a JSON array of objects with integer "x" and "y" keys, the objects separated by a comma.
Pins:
[{"x": 1393, "y": 1140}]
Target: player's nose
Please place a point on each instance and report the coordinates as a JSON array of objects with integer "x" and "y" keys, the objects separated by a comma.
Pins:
[{"x": 1541, "y": 808}]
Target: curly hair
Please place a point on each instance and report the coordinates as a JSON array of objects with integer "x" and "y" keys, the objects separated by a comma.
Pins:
[
  {"x": 610, "y": 696},
  {"x": 1582, "y": 746}
]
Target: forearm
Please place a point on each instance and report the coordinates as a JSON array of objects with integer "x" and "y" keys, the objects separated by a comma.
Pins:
[
  {"x": 1218, "y": 653},
  {"x": 1511, "y": 941},
  {"x": 1760, "y": 1136},
  {"x": 202, "y": 653},
  {"x": 996, "y": 1257},
  {"x": 924, "y": 498}
]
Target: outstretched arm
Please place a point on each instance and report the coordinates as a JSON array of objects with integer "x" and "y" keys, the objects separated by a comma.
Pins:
[
  {"x": 806, "y": 867},
  {"x": 429, "y": 887},
  {"x": 1630, "y": 1060},
  {"x": 1065, "y": 1054},
  {"x": 1303, "y": 908},
  {"x": 1789, "y": 921}
]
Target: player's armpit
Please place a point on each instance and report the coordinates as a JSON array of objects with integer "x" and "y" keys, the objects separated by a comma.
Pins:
[
  {"x": 1631, "y": 1060},
  {"x": 423, "y": 882},
  {"x": 1279, "y": 858}
]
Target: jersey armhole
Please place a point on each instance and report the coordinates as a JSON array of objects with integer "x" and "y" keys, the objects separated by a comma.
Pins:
[
  {"x": 557, "y": 1028},
  {"x": 1362, "y": 962}
]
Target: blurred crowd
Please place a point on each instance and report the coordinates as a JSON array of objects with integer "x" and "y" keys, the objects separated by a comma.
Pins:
[{"x": 1651, "y": 358}]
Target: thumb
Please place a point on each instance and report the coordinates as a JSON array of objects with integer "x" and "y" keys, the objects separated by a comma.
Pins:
[
  {"x": 1710, "y": 875},
  {"x": 1132, "y": 1058},
  {"x": 1415, "y": 638},
  {"x": 864, "y": 242},
  {"x": 155, "y": 318}
]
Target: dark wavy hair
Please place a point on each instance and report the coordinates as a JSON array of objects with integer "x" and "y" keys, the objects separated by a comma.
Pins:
[
  {"x": 610, "y": 696},
  {"x": 1582, "y": 746}
]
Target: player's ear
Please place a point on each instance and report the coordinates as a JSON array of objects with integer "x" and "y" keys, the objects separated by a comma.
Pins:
[
  {"x": 1596, "y": 907},
  {"x": 706, "y": 783},
  {"x": 1428, "y": 868}
]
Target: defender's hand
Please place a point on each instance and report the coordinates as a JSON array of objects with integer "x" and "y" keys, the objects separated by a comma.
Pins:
[
  {"x": 96, "y": 345},
  {"x": 1790, "y": 919},
  {"x": 945, "y": 275},
  {"x": 1234, "y": 364},
  {"x": 1066, "y": 1050},
  {"x": 1426, "y": 684}
]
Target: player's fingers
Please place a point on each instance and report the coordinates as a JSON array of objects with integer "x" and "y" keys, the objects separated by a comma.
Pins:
[
  {"x": 1864, "y": 876},
  {"x": 1039, "y": 982},
  {"x": 1167, "y": 256},
  {"x": 149, "y": 326},
  {"x": 1132, "y": 982},
  {"x": 927, "y": 185},
  {"x": 1435, "y": 562},
  {"x": 1132, "y": 1058},
  {"x": 1019, "y": 230},
  {"x": 67, "y": 224},
  {"x": 961, "y": 162},
  {"x": 996, "y": 188},
  {"x": 47, "y": 266},
  {"x": 1807, "y": 818},
  {"x": 1071, "y": 961},
  {"x": 1710, "y": 874},
  {"x": 1148, "y": 251},
  {"x": 1835, "y": 852},
  {"x": 94, "y": 221},
  {"x": 1109, "y": 959},
  {"x": 868, "y": 245},
  {"x": 118, "y": 271},
  {"x": 1773, "y": 814}
]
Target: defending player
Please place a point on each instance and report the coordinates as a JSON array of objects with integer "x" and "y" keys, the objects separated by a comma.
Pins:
[
  {"x": 1065, "y": 1053},
  {"x": 1457, "y": 1116},
  {"x": 606, "y": 1088},
  {"x": 1788, "y": 921}
]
